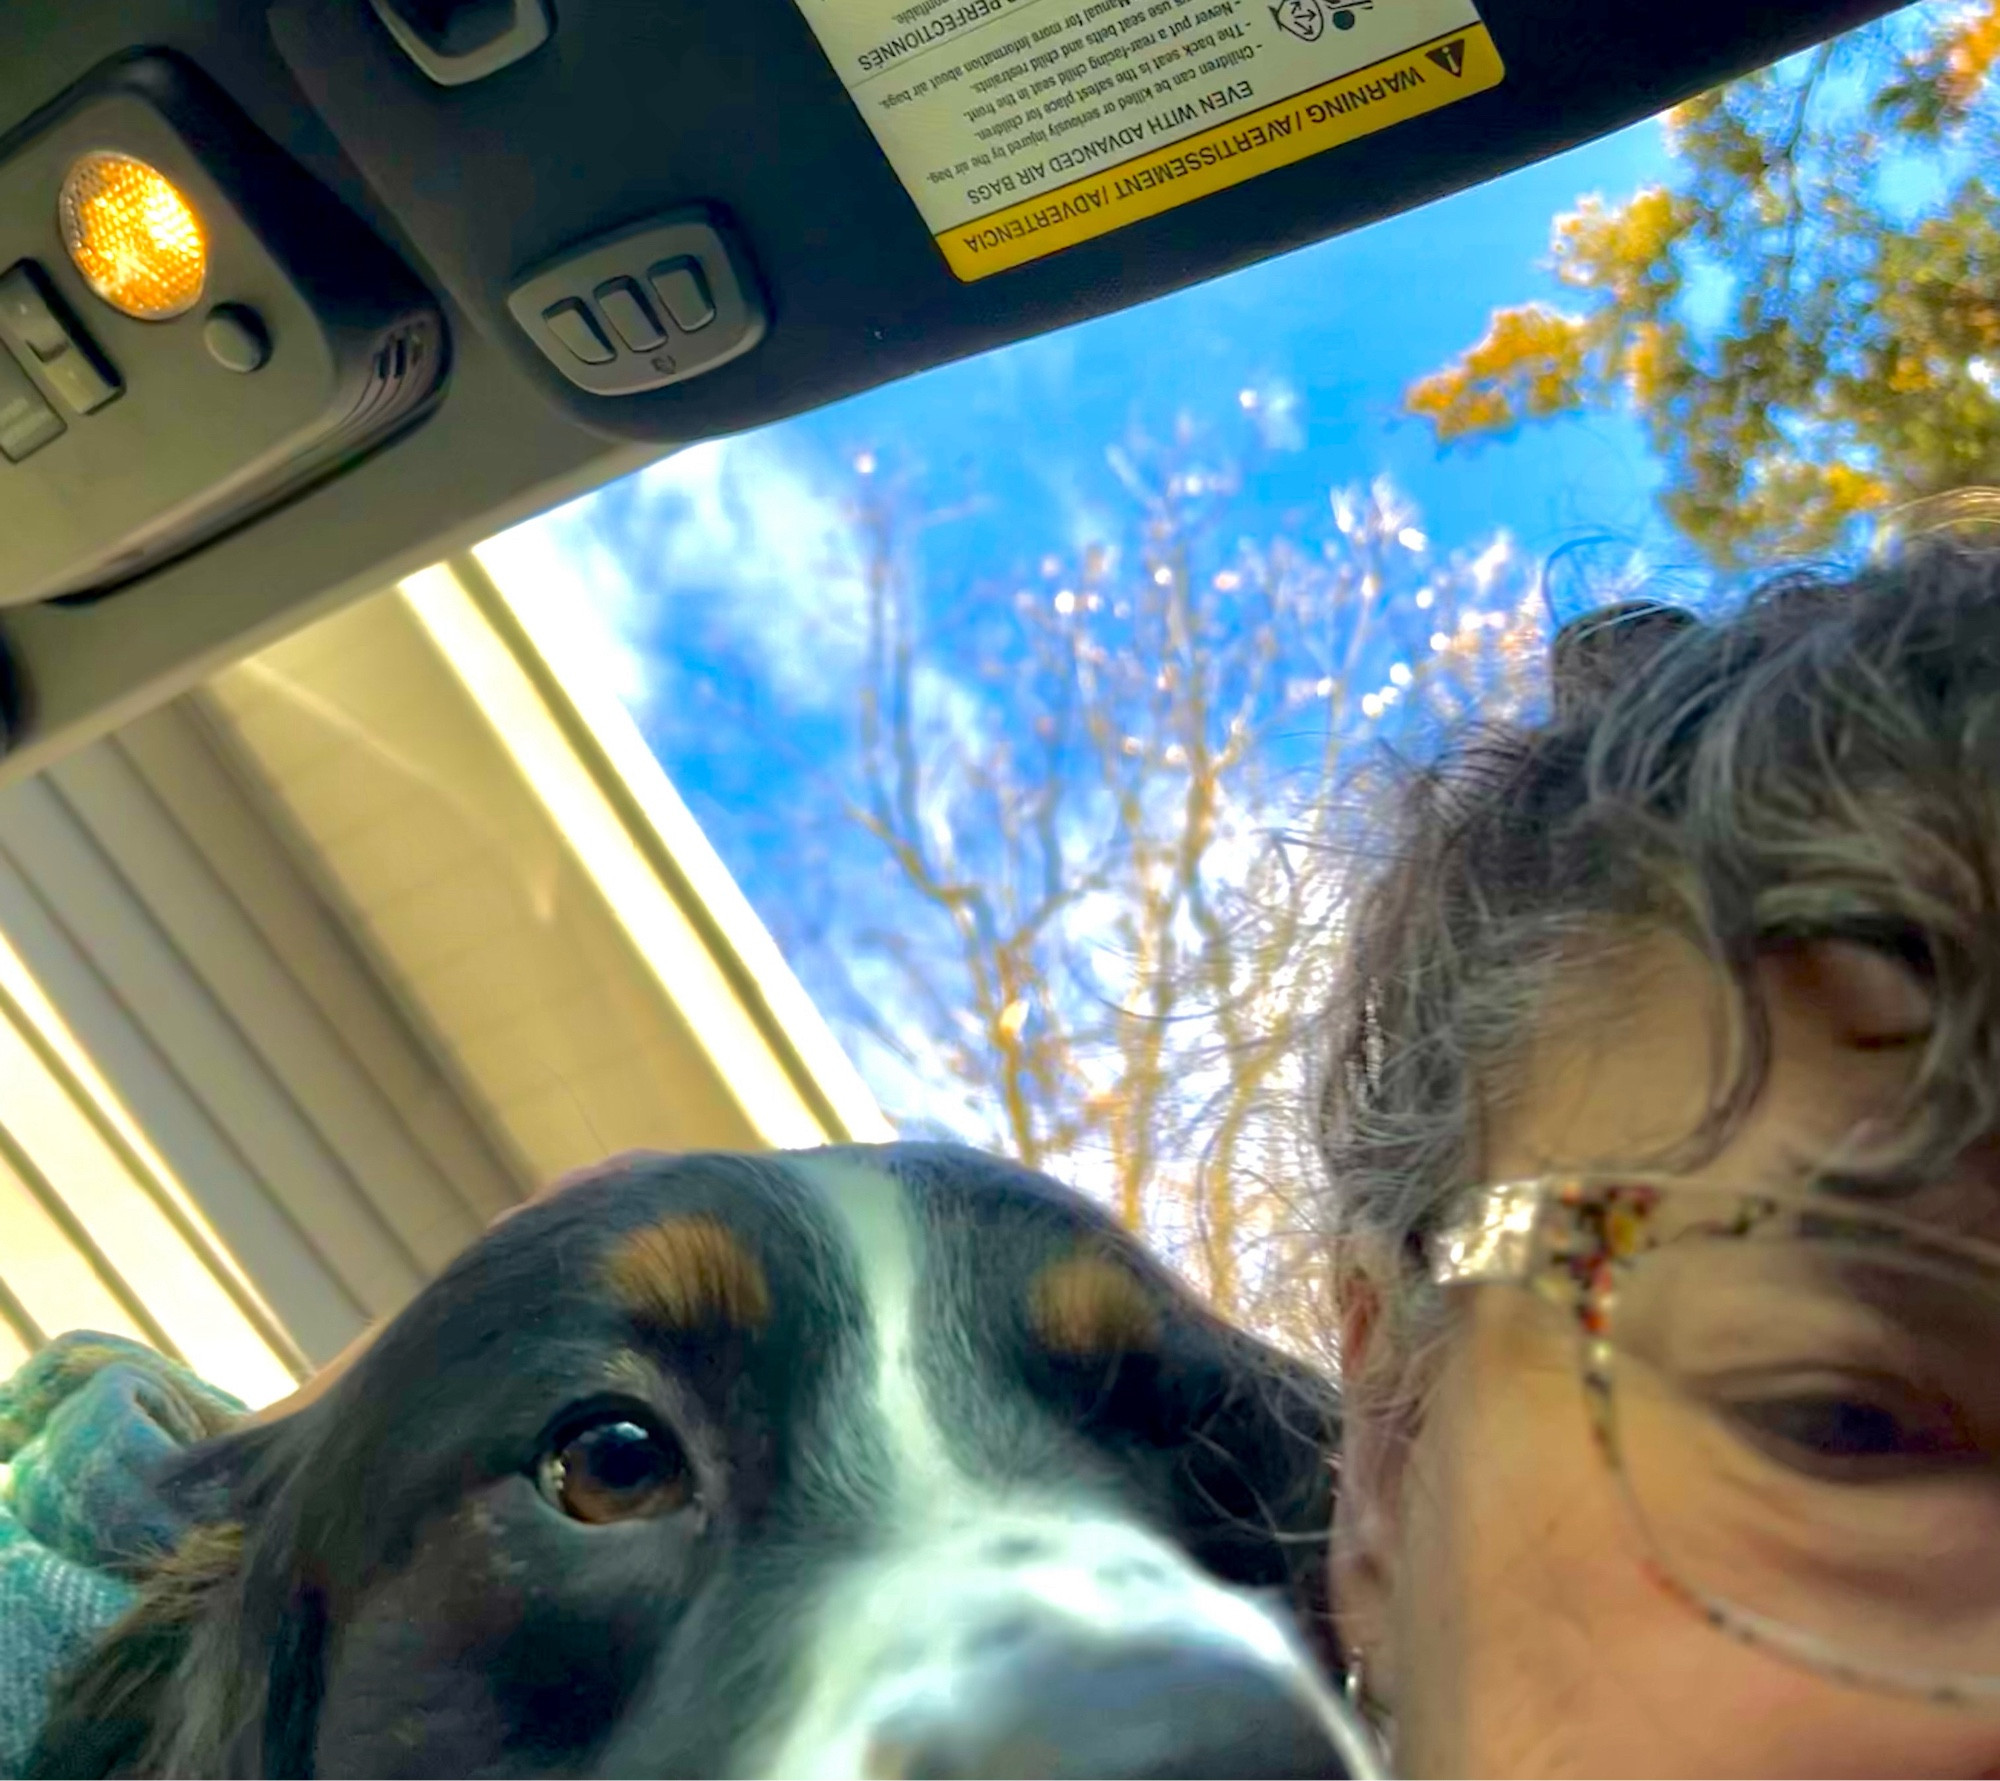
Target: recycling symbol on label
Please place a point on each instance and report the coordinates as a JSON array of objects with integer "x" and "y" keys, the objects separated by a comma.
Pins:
[{"x": 1307, "y": 20}]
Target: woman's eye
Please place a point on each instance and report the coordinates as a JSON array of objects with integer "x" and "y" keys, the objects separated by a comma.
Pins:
[
  {"x": 1836, "y": 1432},
  {"x": 616, "y": 1470}
]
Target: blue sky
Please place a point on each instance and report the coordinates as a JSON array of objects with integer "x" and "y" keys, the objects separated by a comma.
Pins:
[
  {"x": 722, "y": 580},
  {"x": 1345, "y": 325}
]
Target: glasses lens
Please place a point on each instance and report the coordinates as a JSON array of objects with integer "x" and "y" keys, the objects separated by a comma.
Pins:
[{"x": 1809, "y": 1430}]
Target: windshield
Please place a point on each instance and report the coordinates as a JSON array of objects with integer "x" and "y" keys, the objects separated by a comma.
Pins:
[
  {"x": 1012, "y": 695},
  {"x": 989, "y": 748}
]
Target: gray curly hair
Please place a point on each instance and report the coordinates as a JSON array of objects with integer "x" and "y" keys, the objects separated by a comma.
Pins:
[{"x": 1822, "y": 762}]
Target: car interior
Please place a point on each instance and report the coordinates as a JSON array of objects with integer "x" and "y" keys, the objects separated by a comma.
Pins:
[
  {"x": 402, "y": 200},
  {"x": 345, "y": 905}
]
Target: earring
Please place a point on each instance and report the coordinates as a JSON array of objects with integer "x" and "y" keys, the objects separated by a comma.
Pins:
[
  {"x": 1355, "y": 1696},
  {"x": 1363, "y": 1740}
]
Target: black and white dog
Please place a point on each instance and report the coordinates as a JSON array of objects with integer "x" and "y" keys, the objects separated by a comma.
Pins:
[{"x": 862, "y": 1462}]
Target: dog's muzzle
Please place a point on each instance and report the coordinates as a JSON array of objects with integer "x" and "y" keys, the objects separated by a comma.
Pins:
[
  {"x": 1057, "y": 1645},
  {"x": 1070, "y": 1707}
]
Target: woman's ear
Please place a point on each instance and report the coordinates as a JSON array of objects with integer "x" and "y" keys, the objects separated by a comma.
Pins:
[{"x": 1366, "y": 1511}]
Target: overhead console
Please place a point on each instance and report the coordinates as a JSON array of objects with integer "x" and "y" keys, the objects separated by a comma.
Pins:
[
  {"x": 190, "y": 330},
  {"x": 296, "y": 295}
]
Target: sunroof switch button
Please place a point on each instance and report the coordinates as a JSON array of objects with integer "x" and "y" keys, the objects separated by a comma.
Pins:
[
  {"x": 577, "y": 329},
  {"x": 626, "y": 310},
  {"x": 683, "y": 294},
  {"x": 651, "y": 304}
]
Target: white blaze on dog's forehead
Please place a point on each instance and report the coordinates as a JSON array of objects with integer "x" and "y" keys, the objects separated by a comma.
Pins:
[
  {"x": 905, "y": 1626},
  {"x": 887, "y": 1255}
]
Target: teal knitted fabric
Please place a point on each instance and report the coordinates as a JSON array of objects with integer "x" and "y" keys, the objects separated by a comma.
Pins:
[{"x": 84, "y": 1428}]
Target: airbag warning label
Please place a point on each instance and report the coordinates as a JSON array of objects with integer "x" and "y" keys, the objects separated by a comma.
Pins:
[{"x": 1024, "y": 126}]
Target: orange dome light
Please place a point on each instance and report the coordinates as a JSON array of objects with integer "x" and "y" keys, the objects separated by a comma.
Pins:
[{"x": 132, "y": 235}]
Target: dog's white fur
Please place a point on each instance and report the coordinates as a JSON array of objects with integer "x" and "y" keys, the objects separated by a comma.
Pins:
[{"x": 912, "y": 1629}]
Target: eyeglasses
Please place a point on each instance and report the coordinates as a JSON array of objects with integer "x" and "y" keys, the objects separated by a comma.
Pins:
[{"x": 1799, "y": 1396}]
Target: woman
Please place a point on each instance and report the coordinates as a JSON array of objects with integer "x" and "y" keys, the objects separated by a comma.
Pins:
[{"x": 1662, "y": 1133}]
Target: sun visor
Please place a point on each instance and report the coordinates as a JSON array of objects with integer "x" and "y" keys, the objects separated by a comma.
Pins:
[
  {"x": 1021, "y": 127},
  {"x": 898, "y": 183}
]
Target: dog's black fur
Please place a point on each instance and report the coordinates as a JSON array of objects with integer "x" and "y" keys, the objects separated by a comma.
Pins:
[{"x": 375, "y": 1584}]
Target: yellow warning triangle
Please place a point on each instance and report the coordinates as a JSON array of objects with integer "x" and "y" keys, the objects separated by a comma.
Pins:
[{"x": 1449, "y": 56}]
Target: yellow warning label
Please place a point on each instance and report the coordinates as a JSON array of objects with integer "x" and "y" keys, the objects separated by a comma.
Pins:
[
  {"x": 1405, "y": 86},
  {"x": 1019, "y": 127}
]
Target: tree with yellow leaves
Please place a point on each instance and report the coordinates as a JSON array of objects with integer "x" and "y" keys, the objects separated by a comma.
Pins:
[{"x": 1806, "y": 318}]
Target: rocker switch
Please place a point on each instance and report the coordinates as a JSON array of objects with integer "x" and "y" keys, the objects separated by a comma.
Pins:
[
  {"x": 650, "y": 304},
  {"x": 27, "y": 422},
  {"x": 33, "y": 317},
  {"x": 577, "y": 329},
  {"x": 628, "y": 315},
  {"x": 25, "y": 313},
  {"x": 683, "y": 294}
]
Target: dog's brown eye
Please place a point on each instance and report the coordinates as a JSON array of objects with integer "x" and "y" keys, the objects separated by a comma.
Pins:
[{"x": 616, "y": 1470}]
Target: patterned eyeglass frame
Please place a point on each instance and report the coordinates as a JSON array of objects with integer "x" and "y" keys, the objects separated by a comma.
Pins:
[{"x": 1570, "y": 1239}]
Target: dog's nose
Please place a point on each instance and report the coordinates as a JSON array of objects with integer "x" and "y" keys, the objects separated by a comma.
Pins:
[{"x": 1068, "y": 1708}]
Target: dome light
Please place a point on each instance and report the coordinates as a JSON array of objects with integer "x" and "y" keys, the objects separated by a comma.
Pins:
[{"x": 132, "y": 235}]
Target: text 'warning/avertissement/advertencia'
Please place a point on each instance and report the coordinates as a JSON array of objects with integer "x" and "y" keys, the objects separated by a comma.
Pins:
[{"x": 1024, "y": 126}]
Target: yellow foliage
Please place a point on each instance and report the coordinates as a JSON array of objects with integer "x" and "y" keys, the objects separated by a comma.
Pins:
[
  {"x": 1843, "y": 322},
  {"x": 1617, "y": 248},
  {"x": 1528, "y": 363},
  {"x": 1814, "y": 501},
  {"x": 1969, "y": 52},
  {"x": 1981, "y": 320},
  {"x": 1909, "y": 376},
  {"x": 1549, "y": 393},
  {"x": 1647, "y": 358},
  {"x": 1850, "y": 490},
  {"x": 1531, "y": 335}
]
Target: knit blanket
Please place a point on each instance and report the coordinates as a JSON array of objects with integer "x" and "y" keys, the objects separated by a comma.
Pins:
[{"x": 85, "y": 1427}]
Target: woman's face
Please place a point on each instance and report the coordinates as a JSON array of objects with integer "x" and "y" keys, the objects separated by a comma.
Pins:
[{"x": 1488, "y": 1573}]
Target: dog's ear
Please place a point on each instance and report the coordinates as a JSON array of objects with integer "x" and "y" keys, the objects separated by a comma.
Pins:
[
  {"x": 1260, "y": 1472},
  {"x": 179, "y": 1685},
  {"x": 103, "y": 1714}
]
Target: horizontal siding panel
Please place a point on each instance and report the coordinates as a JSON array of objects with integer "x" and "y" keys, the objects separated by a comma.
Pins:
[
  {"x": 219, "y": 1070},
  {"x": 248, "y": 841},
  {"x": 47, "y": 1273},
  {"x": 364, "y": 947},
  {"x": 519, "y": 975},
  {"x": 375, "y": 728},
  {"x": 320, "y": 1315},
  {"x": 400, "y": 851},
  {"x": 64, "y": 1056},
  {"x": 556, "y": 1132},
  {"x": 468, "y": 890},
  {"x": 476, "y": 903},
  {"x": 14, "y": 1352},
  {"x": 128, "y": 1230},
  {"x": 295, "y": 1043},
  {"x": 641, "y": 1103},
  {"x": 632, "y": 1094}
]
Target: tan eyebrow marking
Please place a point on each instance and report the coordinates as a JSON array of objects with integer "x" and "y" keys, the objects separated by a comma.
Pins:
[
  {"x": 690, "y": 1273},
  {"x": 1089, "y": 1303}
]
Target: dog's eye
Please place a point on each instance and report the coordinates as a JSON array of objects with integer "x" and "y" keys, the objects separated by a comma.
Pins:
[{"x": 616, "y": 1469}]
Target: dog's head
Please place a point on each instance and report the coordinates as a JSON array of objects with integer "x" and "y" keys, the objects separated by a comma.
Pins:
[{"x": 895, "y": 1461}]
